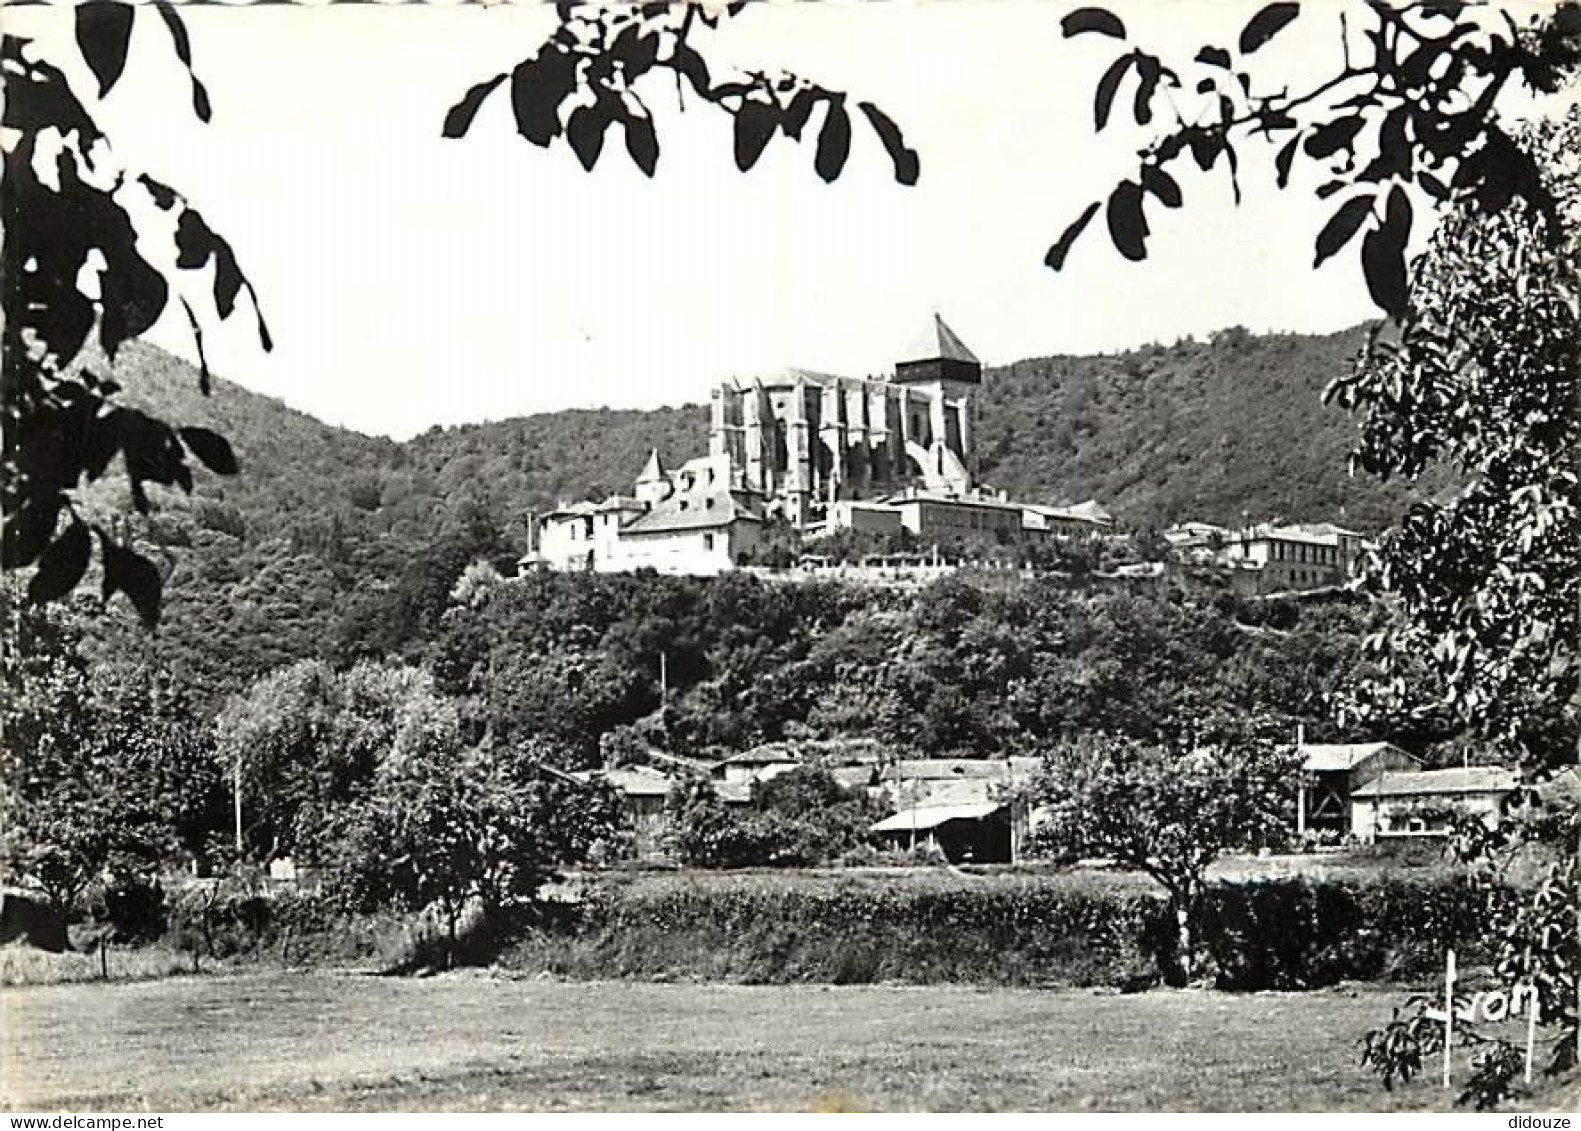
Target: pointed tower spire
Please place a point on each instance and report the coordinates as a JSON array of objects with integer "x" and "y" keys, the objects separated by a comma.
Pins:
[
  {"x": 653, "y": 470},
  {"x": 937, "y": 353}
]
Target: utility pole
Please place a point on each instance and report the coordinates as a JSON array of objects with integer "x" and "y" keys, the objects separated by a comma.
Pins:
[
  {"x": 1301, "y": 781},
  {"x": 236, "y": 800},
  {"x": 664, "y": 677}
]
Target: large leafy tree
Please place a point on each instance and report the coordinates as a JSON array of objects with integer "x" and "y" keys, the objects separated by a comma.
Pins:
[
  {"x": 94, "y": 253},
  {"x": 1168, "y": 811},
  {"x": 445, "y": 824},
  {"x": 1484, "y": 375},
  {"x": 102, "y": 775},
  {"x": 305, "y": 741}
]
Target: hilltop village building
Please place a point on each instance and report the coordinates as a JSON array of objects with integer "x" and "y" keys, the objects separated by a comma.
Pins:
[
  {"x": 1269, "y": 558},
  {"x": 821, "y": 452}
]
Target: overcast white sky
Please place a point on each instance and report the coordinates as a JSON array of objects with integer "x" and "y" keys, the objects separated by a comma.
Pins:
[{"x": 412, "y": 281}]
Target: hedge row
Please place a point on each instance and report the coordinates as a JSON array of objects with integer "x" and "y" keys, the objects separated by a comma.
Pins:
[
  {"x": 1264, "y": 935},
  {"x": 1001, "y": 930}
]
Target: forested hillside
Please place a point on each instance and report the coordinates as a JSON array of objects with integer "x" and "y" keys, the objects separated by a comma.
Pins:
[
  {"x": 334, "y": 544},
  {"x": 1219, "y": 431}
]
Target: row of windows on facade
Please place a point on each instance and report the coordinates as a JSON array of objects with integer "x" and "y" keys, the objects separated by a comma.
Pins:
[
  {"x": 974, "y": 520},
  {"x": 1298, "y": 552}
]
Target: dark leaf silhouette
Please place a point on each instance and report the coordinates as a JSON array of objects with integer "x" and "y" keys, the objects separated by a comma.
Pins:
[
  {"x": 228, "y": 278},
  {"x": 104, "y": 30},
  {"x": 126, "y": 571},
  {"x": 1108, "y": 87},
  {"x": 211, "y": 448},
  {"x": 1127, "y": 224},
  {"x": 62, "y": 565},
  {"x": 178, "y": 32},
  {"x": 1161, "y": 185},
  {"x": 907, "y": 165},
  {"x": 798, "y": 111},
  {"x": 834, "y": 141},
  {"x": 538, "y": 86},
  {"x": 1395, "y": 158},
  {"x": 27, "y": 530},
  {"x": 755, "y": 124},
  {"x": 1214, "y": 56},
  {"x": 195, "y": 240},
  {"x": 585, "y": 131},
  {"x": 689, "y": 63},
  {"x": 1057, "y": 254},
  {"x": 459, "y": 120},
  {"x": 1333, "y": 136},
  {"x": 1098, "y": 20},
  {"x": 1266, "y": 24},
  {"x": 1205, "y": 149},
  {"x": 133, "y": 292},
  {"x": 1148, "y": 71},
  {"x": 183, "y": 47},
  {"x": 642, "y": 143},
  {"x": 1283, "y": 160},
  {"x": 1383, "y": 257},
  {"x": 1341, "y": 227},
  {"x": 205, "y": 378}
]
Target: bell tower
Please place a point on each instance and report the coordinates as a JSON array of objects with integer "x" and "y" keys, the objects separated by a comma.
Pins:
[{"x": 941, "y": 366}]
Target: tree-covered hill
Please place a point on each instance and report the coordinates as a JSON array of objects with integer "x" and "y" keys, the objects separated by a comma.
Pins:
[
  {"x": 1219, "y": 431},
  {"x": 331, "y": 543}
]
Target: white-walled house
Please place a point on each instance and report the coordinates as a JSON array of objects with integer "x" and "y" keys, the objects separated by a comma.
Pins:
[{"x": 1412, "y": 803}]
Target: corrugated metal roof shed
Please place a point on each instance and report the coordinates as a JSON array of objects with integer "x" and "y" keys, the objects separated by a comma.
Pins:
[
  {"x": 1430, "y": 783},
  {"x": 932, "y": 816}
]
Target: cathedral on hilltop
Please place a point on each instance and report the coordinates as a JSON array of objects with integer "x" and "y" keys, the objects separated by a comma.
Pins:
[
  {"x": 821, "y": 452},
  {"x": 804, "y": 440}
]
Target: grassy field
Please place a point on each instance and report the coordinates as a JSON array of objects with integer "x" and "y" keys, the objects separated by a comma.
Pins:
[{"x": 328, "y": 1041}]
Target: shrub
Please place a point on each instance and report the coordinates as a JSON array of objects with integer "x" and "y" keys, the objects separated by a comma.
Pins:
[
  {"x": 798, "y": 818},
  {"x": 1006, "y": 930},
  {"x": 134, "y": 908}
]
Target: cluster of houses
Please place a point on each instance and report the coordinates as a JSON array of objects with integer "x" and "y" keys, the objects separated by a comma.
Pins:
[
  {"x": 968, "y": 808},
  {"x": 973, "y": 809}
]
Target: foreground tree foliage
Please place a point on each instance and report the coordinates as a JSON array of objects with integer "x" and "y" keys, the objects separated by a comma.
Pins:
[
  {"x": 595, "y": 68},
  {"x": 1411, "y": 103},
  {"x": 1486, "y": 374},
  {"x": 79, "y": 284},
  {"x": 306, "y": 740},
  {"x": 1483, "y": 375},
  {"x": 1166, "y": 811}
]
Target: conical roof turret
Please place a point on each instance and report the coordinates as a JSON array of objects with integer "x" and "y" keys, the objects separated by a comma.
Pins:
[{"x": 653, "y": 470}]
